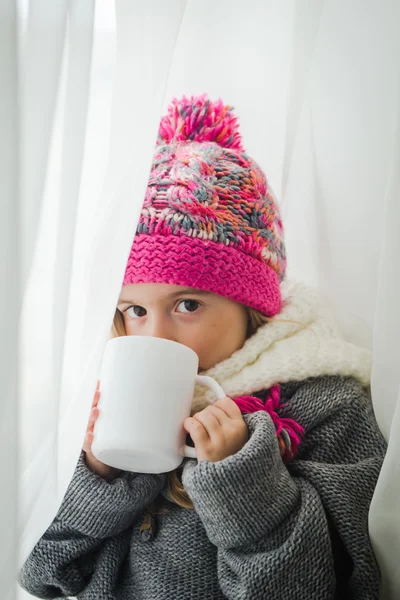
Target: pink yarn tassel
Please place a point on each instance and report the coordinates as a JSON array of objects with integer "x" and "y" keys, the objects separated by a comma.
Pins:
[{"x": 289, "y": 432}]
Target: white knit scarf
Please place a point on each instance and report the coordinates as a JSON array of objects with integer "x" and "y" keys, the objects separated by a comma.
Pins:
[{"x": 302, "y": 341}]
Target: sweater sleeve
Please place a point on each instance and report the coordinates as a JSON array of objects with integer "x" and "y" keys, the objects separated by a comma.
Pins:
[
  {"x": 276, "y": 526},
  {"x": 86, "y": 544}
]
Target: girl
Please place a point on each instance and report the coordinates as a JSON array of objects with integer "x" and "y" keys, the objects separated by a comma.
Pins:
[{"x": 276, "y": 506}]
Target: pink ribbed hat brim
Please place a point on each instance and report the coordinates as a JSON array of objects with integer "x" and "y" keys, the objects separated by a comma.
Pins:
[{"x": 204, "y": 265}]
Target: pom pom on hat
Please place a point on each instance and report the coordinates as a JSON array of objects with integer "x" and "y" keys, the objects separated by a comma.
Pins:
[
  {"x": 209, "y": 218},
  {"x": 199, "y": 119}
]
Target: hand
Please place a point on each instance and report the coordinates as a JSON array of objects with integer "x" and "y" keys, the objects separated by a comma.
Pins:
[
  {"x": 95, "y": 465},
  {"x": 218, "y": 431}
]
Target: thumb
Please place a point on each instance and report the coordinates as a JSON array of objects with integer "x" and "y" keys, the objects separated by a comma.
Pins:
[{"x": 188, "y": 424}]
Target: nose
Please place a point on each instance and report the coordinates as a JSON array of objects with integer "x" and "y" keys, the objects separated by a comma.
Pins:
[{"x": 160, "y": 326}]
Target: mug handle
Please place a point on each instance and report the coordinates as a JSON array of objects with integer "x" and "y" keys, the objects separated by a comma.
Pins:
[{"x": 188, "y": 451}]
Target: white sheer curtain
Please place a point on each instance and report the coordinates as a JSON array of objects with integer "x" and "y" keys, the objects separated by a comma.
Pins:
[
  {"x": 9, "y": 293},
  {"x": 316, "y": 85},
  {"x": 80, "y": 180}
]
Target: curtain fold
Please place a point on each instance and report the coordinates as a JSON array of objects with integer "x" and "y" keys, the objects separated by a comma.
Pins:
[
  {"x": 10, "y": 291},
  {"x": 79, "y": 260},
  {"x": 385, "y": 507},
  {"x": 305, "y": 32},
  {"x": 40, "y": 67},
  {"x": 56, "y": 68},
  {"x": 316, "y": 88}
]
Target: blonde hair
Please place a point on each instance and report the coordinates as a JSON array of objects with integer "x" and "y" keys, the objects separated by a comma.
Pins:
[{"x": 175, "y": 486}]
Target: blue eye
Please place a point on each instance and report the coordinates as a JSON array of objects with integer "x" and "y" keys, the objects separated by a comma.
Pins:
[{"x": 190, "y": 306}]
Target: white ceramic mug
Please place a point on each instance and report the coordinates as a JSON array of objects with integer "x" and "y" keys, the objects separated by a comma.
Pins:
[{"x": 147, "y": 386}]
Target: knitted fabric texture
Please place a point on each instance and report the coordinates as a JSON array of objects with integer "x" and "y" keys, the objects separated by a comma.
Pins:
[
  {"x": 260, "y": 529},
  {"x": 209, "y": 219},
  {"x": 302, "y": 341},
  {"x": 288, "y": 431}
]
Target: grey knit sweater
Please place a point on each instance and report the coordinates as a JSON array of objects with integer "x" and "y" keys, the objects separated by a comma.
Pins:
[{"x": 261, "y": 529}]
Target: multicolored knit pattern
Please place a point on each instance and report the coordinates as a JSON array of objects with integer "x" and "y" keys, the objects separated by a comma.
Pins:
[
  {"x": 288, "y": 431},
  {"x": 208, "y": 208}
]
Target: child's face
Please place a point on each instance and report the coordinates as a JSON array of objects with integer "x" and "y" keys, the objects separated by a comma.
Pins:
[{"x": 213, "y": 326}]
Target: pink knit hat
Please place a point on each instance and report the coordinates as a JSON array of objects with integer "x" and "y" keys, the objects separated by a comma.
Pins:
[{"x": 209, "y": 219}]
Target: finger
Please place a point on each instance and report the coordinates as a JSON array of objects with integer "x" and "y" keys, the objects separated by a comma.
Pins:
[
  {"x": 96, "y": 398},
  {"x": 94, "y": 413},
  {"x": 196, "y": 430},
  {"x": 98, "y": 385},
  {"x": 87, "y": 443},
  {"x": 90, "y": 428},
  {"x": 218, "y": 413},
  {"x": 229, "y": 407},
  {"x": 209, "y": 422}
]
